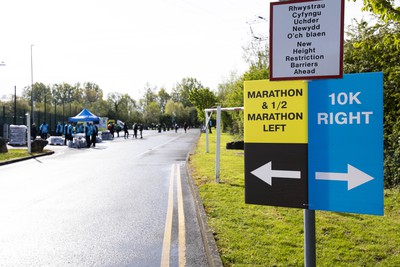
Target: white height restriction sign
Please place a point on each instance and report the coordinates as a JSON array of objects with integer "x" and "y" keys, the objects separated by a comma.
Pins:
[{"x": 306, "y": 40}]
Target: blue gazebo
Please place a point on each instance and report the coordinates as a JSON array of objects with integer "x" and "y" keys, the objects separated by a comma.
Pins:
[{"x": 84, "y": 115}]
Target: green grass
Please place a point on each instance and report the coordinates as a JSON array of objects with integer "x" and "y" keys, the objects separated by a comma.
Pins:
[
  {"x": 16, "y": 153},
  {"x": 253, "y": 235}
]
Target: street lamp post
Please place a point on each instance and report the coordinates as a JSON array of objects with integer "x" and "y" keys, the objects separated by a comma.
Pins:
[
  {"x": 32, "y": 111},
  {"x": 28, "y": 124}
]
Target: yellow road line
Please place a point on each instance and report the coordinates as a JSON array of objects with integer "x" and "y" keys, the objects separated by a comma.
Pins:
[
  {"x": 165, "y": 256},
  {"x": 168, "y": 223},
  {"x": 181, "y": 220}
]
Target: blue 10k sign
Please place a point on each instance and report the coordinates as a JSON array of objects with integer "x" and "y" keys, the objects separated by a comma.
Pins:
[{"x": 345, "y": 144}]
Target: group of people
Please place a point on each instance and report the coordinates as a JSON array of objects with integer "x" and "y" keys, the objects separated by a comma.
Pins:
[
  {"x": 43, "y": 130},
  {"x": 91, "y": 131},
  {"x": 185, "y": 127},
  {"x": 135, "y": 128},
  {"x": 67, "y": 130}
]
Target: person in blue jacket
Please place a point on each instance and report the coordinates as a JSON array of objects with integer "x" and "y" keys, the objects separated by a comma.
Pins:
[
  {"x": 88, "y": 134},
  {"x": 59, "y": 129},
  {"x": 70, "y": 131},
  {"x": 44, "y": 130},
  {"x": 65, "y": 132},
  {"x": 95, "y": 131}
]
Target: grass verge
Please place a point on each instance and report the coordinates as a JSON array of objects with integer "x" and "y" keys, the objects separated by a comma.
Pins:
[
  {"x": 17, "y": 153},
  {"x": 253, "y": 235}
]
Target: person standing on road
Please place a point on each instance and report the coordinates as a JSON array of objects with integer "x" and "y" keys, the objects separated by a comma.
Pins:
[
  {"x": 33, "y": 131},
  {"x": 65, "y": 132},
  {"x": 111, "y": 129},
  {"x": 185, "y": 126},
  {"x": 70, "y": 130},
  {"x": 141, "y": 130},
  {"x": 117, "y": 129},
  {"x": 126, "y": 133},
  {"x": 44, "y": 130},
  {"x": 59, "y": 129},
  {"x": 135, "y": 128},
  {"x": 95, "y": 131},
  {"x": 88, "y": 134}
]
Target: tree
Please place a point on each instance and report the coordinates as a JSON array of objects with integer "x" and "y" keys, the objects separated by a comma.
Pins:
[
  {"x": 385, "y": 9},
  {"x": 178, "y": 113},
  {"x": 114, "y": 100},
  {"x": 77, "y": 94},
  {"x": 181, "y": 92},
  {"x": 374, "y": 48},
  {"x": 149, "y": 96},
  {"x": 92, "y": 92},
  {"x": 163, "y": 97},
  {"x": 62, "y": 93},
  {"x": 122, "y": 107},
  {"x": 127, "y": 106},
  {"x": 202, "y": 98},
  {"x": 152, "y": 113},
  {"x": 40, "y": 92},
  {"x": 256, "y": 54},
  {"x": 230, "y": 93}
]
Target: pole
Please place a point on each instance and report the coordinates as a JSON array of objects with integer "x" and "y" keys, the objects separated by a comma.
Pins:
[
  {"x": 28, "y": 139},
  {"x": 32, "y": 111},
  {"x": 15, "y": 105},
  {"x": 206, "y": 131},
  {"x": 309, "y": 232},
  {"x": 45, "y": 108},
  {"x": 218, "y": 148},
  {"x": 309, "y": 238},
  {"x": 55, "y": 112}
]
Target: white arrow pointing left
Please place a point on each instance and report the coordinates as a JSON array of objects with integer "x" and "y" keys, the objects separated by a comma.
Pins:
[
  {"x": 265, "y": 173},
  {"x": 354, "y": 177}
]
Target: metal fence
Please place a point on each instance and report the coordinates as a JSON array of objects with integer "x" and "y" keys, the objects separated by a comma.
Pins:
[{"x": 18, "y": 117}]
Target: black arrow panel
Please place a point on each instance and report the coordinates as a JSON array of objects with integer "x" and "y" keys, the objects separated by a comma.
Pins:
[{"x": 283, "y": 192}]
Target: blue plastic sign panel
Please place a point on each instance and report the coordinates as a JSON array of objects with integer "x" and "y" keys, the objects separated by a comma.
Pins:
[{"x": 345, "y": 144}]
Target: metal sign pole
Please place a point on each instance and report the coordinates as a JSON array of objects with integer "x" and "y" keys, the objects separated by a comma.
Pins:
[
  {"x": 28, "y": 138},
  {"x": 218, "y": 145},
  {"x": 309, "y": 238},
  {"x": 206, "y": 129}
]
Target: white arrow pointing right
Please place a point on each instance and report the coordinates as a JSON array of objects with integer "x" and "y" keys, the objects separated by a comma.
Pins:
[{"x": 354, "y": 177}]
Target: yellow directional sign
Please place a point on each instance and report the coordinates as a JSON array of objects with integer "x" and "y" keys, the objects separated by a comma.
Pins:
[{"x": 275, "y": 112}]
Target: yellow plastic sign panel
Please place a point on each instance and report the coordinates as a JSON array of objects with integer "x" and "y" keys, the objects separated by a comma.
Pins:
[{"x": 275, "y": 112}]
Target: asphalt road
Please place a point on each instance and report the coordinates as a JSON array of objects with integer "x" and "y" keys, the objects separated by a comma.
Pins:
[{"x": 124, "y": 203}]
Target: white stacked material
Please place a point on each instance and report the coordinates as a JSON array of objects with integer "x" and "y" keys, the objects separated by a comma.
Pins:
[
  {"x": 56, "y": 140},
  {"x": 18, "y": 134},
  {"x": 99, "y": 139},
  {"x": 106, "y": 135},
  {"x": 79, "y": 141}
]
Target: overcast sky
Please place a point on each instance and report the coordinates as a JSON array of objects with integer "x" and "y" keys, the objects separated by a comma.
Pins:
[{"x": 123, "y": 45}]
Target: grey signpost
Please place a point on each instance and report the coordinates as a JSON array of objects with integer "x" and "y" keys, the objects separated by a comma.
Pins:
[
  {"x": 303, "y": 53},
  {"x": 331, "y": 156},
  {"x": 305, "y": 49}
]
